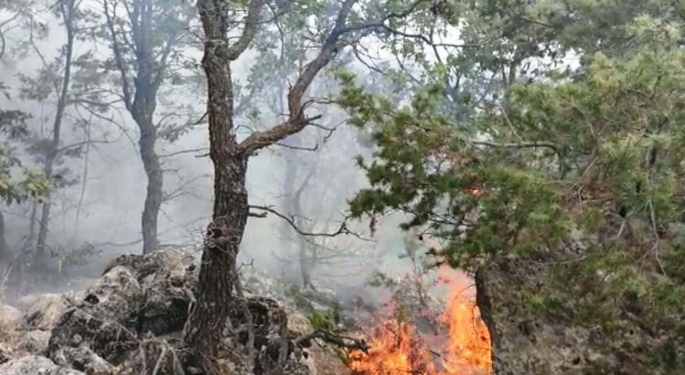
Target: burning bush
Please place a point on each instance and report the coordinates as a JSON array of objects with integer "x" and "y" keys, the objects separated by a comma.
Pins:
[{"x": 454, "y": 341}]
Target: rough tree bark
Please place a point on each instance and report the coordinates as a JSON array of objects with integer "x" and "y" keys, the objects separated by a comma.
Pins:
[
  {"x": 206, "y": 324},
  {"x": 483, "y": 301},
  {"x": 67, "y": 9}
]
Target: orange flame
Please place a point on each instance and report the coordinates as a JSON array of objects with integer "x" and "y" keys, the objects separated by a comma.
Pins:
[{"x": 399, "y": 349}]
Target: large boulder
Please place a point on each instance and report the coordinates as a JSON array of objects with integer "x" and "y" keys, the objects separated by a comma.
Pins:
[
  {"x": 34, "y": 365},
  {"x": 104, "y": 322},
  {"x": 131, "y": 320},
  {"x": 85, "y": 360}
]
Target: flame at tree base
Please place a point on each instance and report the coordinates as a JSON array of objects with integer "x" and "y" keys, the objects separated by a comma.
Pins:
[{"x": 463, "y": 346}]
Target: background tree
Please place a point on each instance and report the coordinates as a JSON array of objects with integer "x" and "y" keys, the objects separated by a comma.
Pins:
[
  {"x": 150, "y": 43},
  {"x": 32, "y": 183},
  {"x": 67, "y": 10}
]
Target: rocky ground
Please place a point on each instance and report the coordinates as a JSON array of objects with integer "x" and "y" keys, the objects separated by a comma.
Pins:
[{"x": 130, "y": 321}]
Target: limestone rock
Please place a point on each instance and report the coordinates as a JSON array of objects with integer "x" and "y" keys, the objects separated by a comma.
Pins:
[
  {"x": 85, "y": 360},
  {"x": 130, "y": 322},
  {"x": 9, "y": 315},
  {"x": 34, "y": 365},
  {"x": 34, "y": 342},
  {"x": 104, "y": 321},
  {"x": 42, "y": 311}
]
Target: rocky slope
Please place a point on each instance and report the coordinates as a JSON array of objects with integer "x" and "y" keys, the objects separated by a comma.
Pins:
[{"x": 130, "y": 321}]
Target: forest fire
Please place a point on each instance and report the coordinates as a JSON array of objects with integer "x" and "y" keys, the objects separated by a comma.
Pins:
[{"x": 461, "y": 346}]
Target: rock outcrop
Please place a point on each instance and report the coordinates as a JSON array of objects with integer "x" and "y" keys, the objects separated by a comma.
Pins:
[
  {"x": 130, "y": 321},
  {"x": 34, "y": 365}
]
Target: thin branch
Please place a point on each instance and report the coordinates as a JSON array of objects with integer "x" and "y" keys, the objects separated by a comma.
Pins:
[
  {"x": 342, "y": 230},
  {"x": 79, "y": 144},
  {"x": 517, "y": 145},
  {"x": 316, "y": 147},
  {"x": 182, "y": 152},
  {"x": 332, "y": 338},
  {"x": 113, "y": 244}
]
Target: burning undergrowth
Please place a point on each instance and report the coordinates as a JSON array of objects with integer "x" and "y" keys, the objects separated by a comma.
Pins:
[{"x": 430, "y": 325}]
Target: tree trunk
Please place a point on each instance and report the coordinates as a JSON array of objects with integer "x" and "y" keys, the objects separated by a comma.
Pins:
[
  {"x": 207, "y": 322},
  {"x": 305, "y": 264},
  {"x": 289, "y": 242},
  {"x": 484, "y": 303},
  {"x": 84, "y": 183},
  {"x": 67, "y": 10},
  {"x": 5, "y": 255},
  {"x": 155, "y": 183},
  {"x": 206, "y": 326},
  {"x": 30, "y": 240},
  {"x": 143, "y": 108}
]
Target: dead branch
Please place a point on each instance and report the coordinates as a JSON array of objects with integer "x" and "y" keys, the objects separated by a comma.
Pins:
[
  {"x": 316, "y": 147},
  {"x": 517, "y": 145},
  {"x": 342, "y": 230},
  {"x": 334, "y": 339}
]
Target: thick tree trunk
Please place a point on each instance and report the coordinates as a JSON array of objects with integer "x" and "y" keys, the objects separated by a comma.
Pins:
[
  {"x": 207, "y": 322},
  {"x": 206, "y": 326},
  {"x": 155, "y": 183}
]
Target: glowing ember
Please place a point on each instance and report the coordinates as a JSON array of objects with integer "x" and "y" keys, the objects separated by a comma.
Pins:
[
  {"x": 397, "y": 348},
  {"x": 473, "y": 191}
]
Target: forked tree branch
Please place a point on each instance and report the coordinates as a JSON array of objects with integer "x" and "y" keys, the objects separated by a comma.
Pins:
[
  {"x": 342, "y": 229},
  {"x": 332, "y": 338},
  {"x": 296, "y": 119}
]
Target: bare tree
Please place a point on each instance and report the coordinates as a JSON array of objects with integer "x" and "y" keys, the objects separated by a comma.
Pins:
[{"x": 206, "y": 324}]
